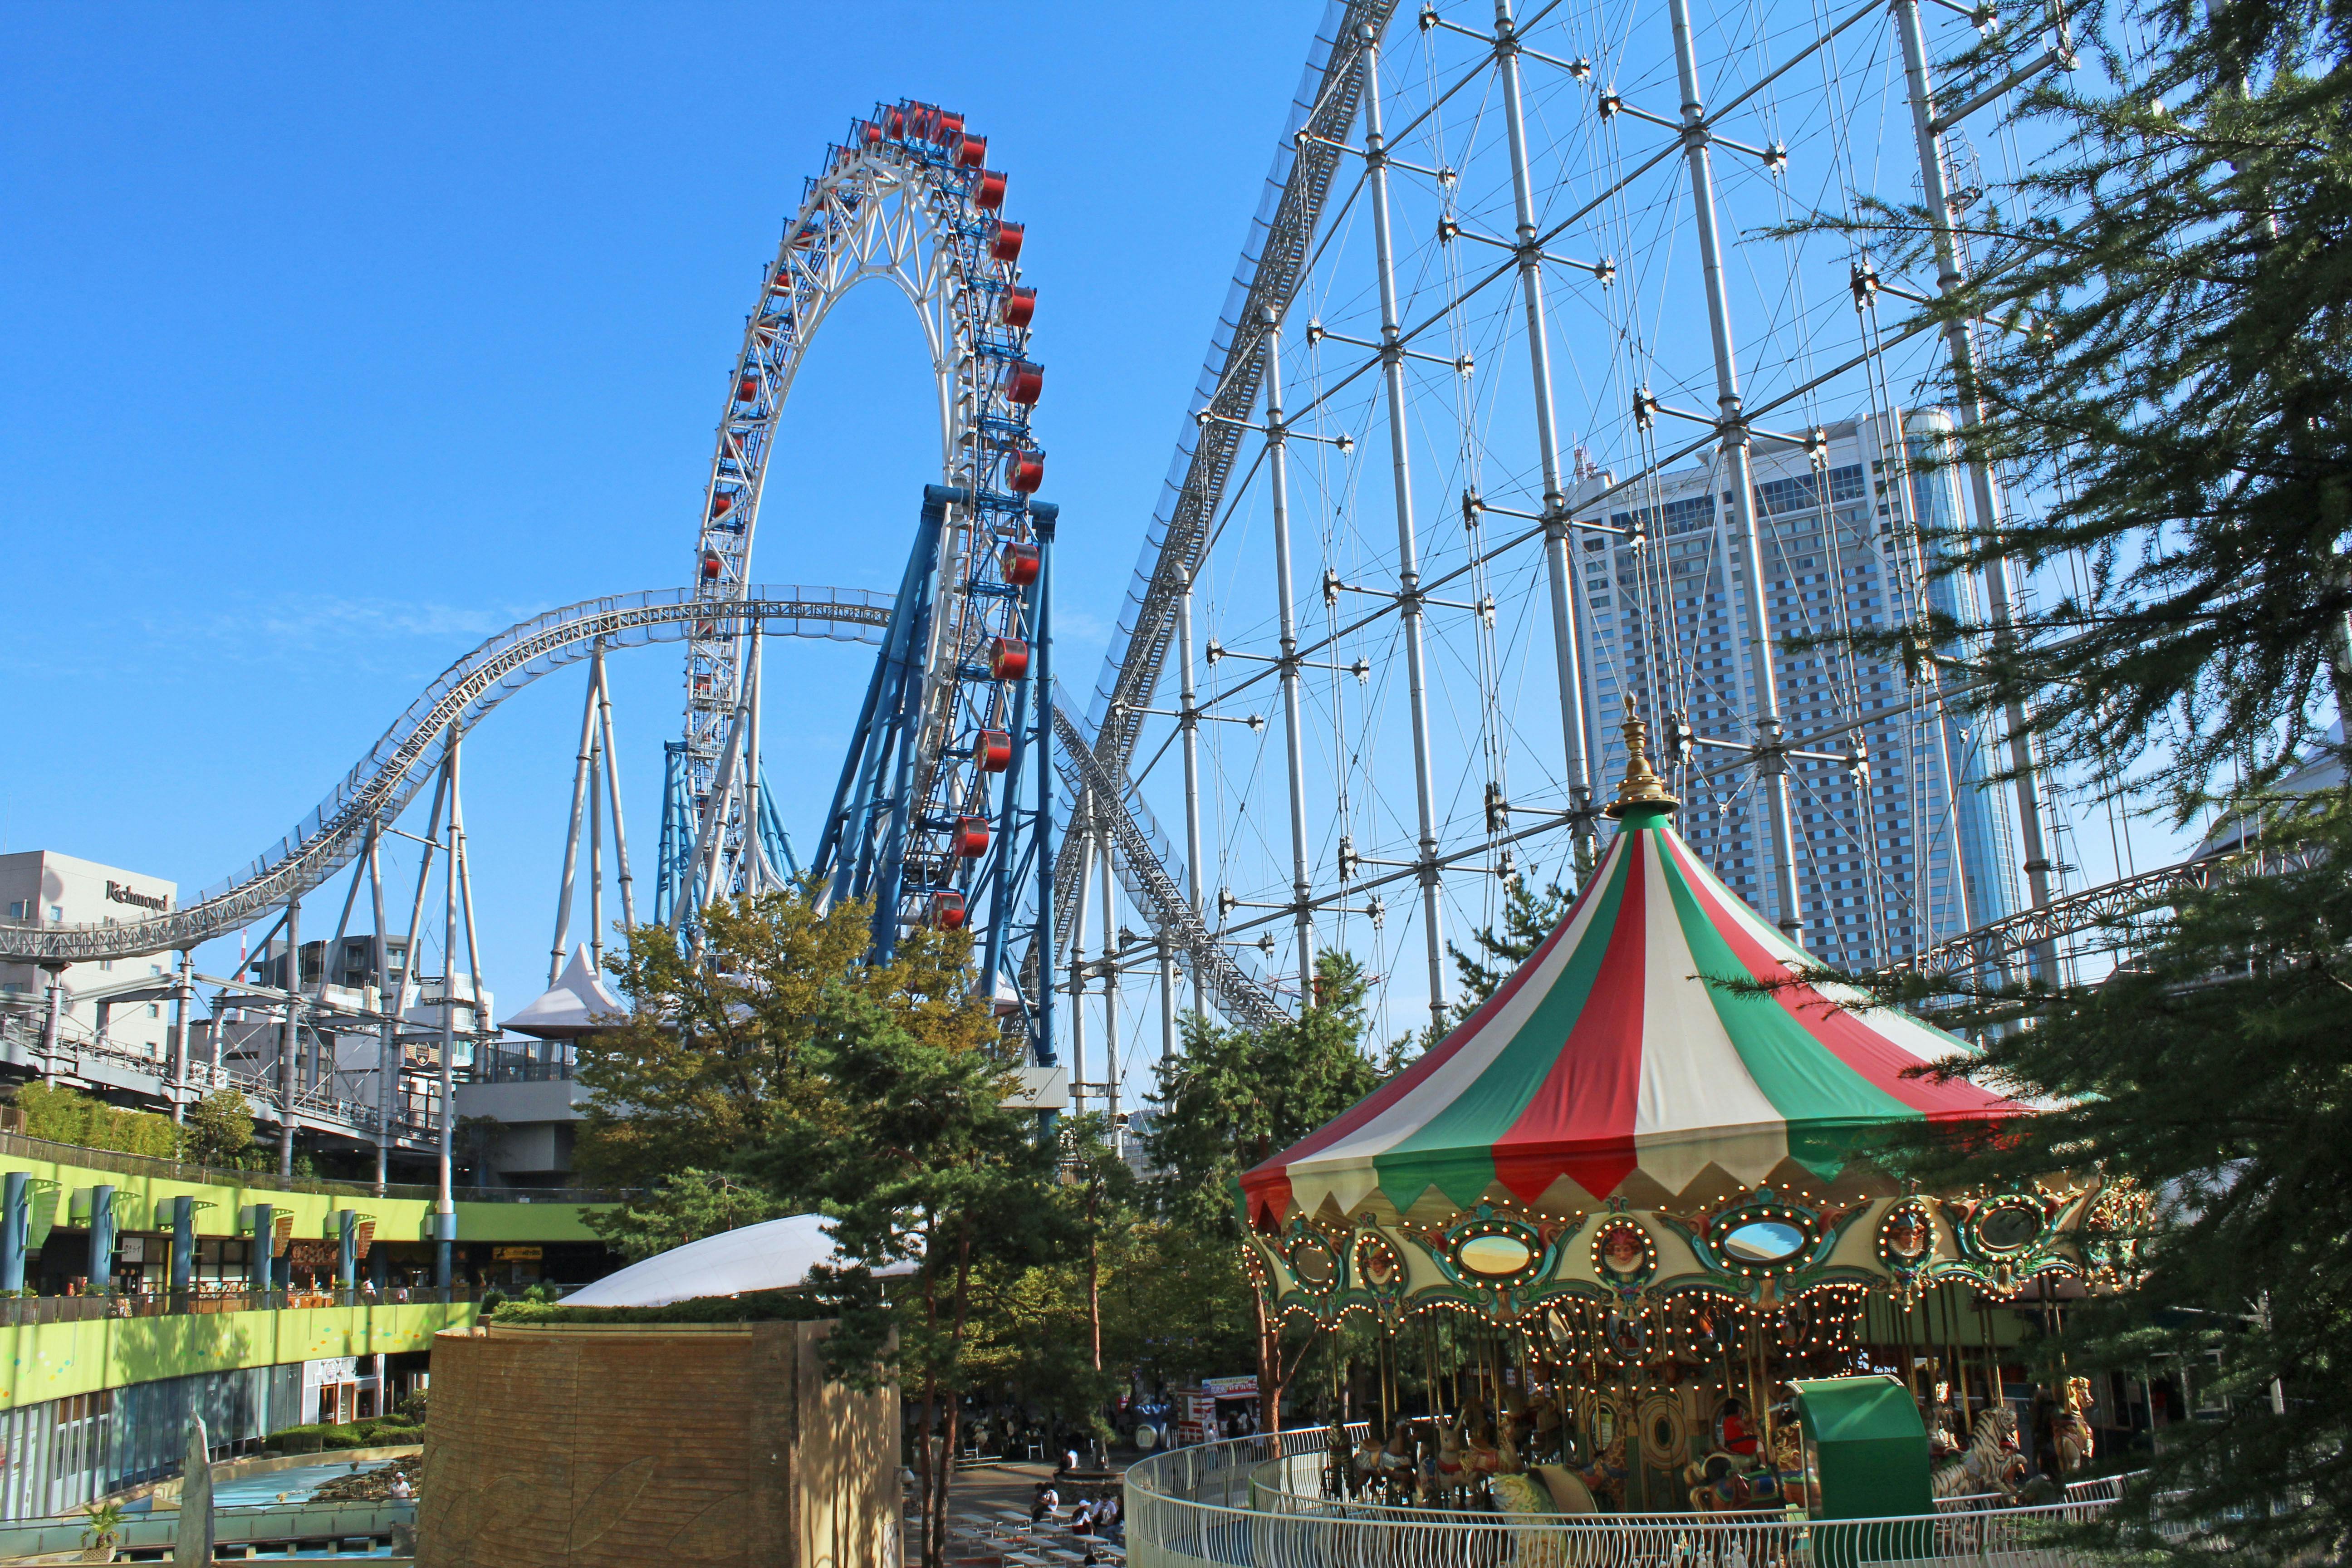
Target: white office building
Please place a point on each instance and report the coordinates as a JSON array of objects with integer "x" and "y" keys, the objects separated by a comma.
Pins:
[{"x": 43, "y": 887}]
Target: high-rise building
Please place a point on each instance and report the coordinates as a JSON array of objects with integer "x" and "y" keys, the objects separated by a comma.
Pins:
[{"x": 1891, "y": 857}]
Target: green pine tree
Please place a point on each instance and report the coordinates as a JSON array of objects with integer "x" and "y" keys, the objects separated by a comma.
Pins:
[
  {"x": 1237, "y": 1096},
  {"x": 2164, "y": 301},
  {"x": 2212, "y": 1070},
  {"x": 2165, "y": 362},
  {"x": 920, "y": 1163},
  {"x": 1529, "y": 917},
  {"x": 684, "y": 1208}
]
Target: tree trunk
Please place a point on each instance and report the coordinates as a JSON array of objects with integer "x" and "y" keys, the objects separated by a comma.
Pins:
[
  {"x": 1094, "y": 1275},
  {"x": 923, "y": 1466},
  {"x": 935, "y": 1521},
  {"x": 1269, "y": 1367},
  {"x": 934, "y": 1509}
]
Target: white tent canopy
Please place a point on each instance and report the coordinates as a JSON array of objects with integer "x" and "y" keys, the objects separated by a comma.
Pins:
[
  {"x": 578, "y": 1004},
  {"x": 775, "y": 1255}
]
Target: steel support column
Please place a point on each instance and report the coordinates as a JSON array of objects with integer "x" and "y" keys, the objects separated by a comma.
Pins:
[
  {"x": 1188, "y": 724},
  {"x": 289, "y": 1044},
  {"x": 1567, "y": 651},
  {"x": 1112, "y": 968},
  {"x": 1771, "y": 759},
  {"x": 1042, "y": 944},
  {"x": 582, "y": 764},
  {"x": 1409, "y": 605},
  {"x": 445, "y": 1207},
  {"x": 1277, "y": 478},
  {"x": 1960, "y": 338},
  {"x": 184, "y": 1003}
]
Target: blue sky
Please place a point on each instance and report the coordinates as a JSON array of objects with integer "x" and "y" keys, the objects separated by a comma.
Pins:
[{"x": 334, "y": 339}]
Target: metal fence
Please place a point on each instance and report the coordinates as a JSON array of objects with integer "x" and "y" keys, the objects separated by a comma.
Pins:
[
  {"x": 1233, "y": 1503},
  {"x": 20, "y": 1312},
  {"x": 277, "y": 1529},
  {"x": 24, "y": 1148}
]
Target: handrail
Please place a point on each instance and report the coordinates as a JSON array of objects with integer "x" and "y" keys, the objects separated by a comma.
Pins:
[
  {"x": 25, "y": 1148},
  {"x": 25, "y": 1312}
]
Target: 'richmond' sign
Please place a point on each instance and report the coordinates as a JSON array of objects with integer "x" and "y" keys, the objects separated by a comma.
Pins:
[{"x": 119, "y": 893}]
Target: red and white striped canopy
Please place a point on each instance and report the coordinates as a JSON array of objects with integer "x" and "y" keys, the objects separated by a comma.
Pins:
[{"x": 1631, "y": 1054}]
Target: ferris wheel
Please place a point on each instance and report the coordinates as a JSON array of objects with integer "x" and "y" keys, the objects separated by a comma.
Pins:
[
  {"x": 908, "y": 199},
  {"x": 1529, "y": 404}
]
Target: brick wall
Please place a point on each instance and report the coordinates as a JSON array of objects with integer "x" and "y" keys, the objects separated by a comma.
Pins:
[{"x": 598, "y": 1447}]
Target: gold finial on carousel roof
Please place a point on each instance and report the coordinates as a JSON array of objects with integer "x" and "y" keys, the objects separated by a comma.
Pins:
[{"x": 1640, "y": 785}]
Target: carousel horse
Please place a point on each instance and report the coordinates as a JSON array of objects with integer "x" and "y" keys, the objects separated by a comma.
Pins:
[
  {"x": 1388, "y": 1466},
  {"x": 1718, "y": 1484},
  {"x": 2072, "y": 1427},
  {"x": 1944, "y": 1421},
  {"x": 1991, "y": 1465},
  {"x": 1547, "y": 1432},
  {"x": 1788, "y": 1465},
  {"x": 1605, "y": 1476},
  {"x": 1481, "y": 1460},
  {"x": 1451, "y": 1478},
  {"x": 1724, "y": 1482}
]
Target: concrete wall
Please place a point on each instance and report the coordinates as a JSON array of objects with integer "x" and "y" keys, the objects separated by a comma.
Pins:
[
  {"x": 540, "y": 1118},
  {"x": 598, "y": 1446}
]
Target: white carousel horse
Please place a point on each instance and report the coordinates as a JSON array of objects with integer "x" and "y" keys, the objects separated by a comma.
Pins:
[{"x": 1991, "y": 1463}]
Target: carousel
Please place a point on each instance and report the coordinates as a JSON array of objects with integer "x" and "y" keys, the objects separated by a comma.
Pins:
[{"x": 1607, "y": 1233}]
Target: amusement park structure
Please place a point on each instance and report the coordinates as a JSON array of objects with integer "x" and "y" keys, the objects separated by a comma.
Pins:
[{"x": 1532, "y": 395}]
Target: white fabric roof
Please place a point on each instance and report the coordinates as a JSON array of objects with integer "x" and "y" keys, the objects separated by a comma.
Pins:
[
  {"x": 578, "y": 1005},
  {"x": 775, "y": 1255}
]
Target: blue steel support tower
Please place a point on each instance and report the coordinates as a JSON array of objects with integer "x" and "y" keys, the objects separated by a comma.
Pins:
[{"x": 889, "y": 801}]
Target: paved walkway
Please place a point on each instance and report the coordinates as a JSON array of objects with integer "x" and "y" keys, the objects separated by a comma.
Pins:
[{"x": 977, "y": 1497}]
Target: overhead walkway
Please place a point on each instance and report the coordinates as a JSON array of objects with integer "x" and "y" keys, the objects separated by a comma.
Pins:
[{"x": 96, "y": 1388}]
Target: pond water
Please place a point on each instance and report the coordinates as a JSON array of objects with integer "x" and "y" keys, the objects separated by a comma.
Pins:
[{"x": 297, "y": 1484}]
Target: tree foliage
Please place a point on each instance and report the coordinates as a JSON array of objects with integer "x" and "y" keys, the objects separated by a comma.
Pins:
[
  {"x": 1529, "y": 917},
  {"x": 65, "y": 1115},
  {"x": 715, "y": 1056},
  {"x": 686, "y": 1207},
  {"x": 2214, "y": 1070},
  {"x": 920, "y": 1164},
  {"x": 2168, "y": 362},
  {"x": 1237, "y": 1096}
]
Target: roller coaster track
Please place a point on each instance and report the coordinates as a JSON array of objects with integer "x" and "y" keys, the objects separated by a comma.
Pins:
[
  {"x": 390, "y": 774},
  {"x": 2009, "y": 943},
  {"x": 384, "y": 780},
  {"x": 1272, "y": 264},
  {"x": 1148, "y": 880}
]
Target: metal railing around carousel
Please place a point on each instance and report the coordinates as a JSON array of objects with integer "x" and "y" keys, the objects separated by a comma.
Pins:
[
  {"x": 1259, "y": 1501},
  {"x": 1302, "y": 1480}
]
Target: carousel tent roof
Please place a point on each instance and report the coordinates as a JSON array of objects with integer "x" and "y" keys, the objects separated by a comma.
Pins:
[
  {"x": 577, "y": 1005},
  {"x": 1617, "y": 1057}
]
